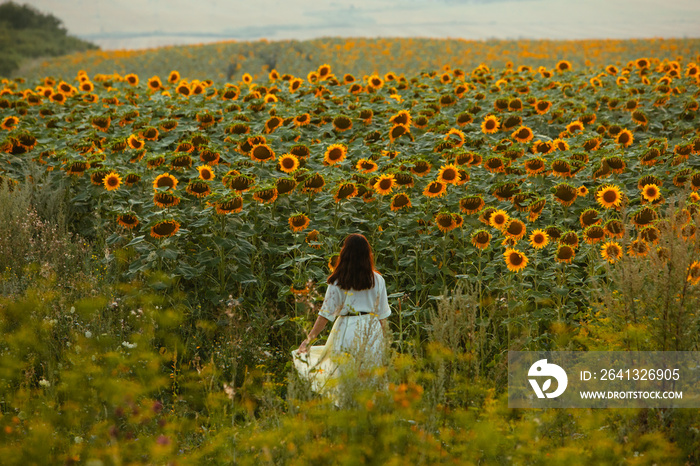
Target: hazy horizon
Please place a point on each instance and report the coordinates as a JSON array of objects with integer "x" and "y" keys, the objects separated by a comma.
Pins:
[{"x": 135, "y": 24}]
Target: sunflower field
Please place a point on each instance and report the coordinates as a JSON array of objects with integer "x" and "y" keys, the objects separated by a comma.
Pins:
[{"x": 537, "y": 188}]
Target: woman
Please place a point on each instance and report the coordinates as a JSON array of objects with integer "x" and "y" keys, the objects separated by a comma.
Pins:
[{"x": 356, "y": 301}]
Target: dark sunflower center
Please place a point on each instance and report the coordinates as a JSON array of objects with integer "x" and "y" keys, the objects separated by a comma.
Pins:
[{"x": 515, "y": 259}]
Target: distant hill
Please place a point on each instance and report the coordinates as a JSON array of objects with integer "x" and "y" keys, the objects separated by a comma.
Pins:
[
  {"x": 228, "y": 61},
  {"x": 27, "y": 33}
]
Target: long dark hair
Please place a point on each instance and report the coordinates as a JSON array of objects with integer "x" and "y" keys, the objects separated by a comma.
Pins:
[{"x": 355, "y": 269}]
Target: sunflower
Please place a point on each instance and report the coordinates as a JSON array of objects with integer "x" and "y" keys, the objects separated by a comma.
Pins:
[
  {"x": 112, "y": 181},
  {"x": 165, "y": 180},
  {"x": 435, "y": 189},
  {"x": 539, "y": 239},
  {"x": 265, "y": 195},
  {"x": 298, "y": 222},
  {"x": 449, "y": 174},
  {"x": 651, "y": 192},
  {"x": 173, "y": 77},
  {"x": 9, "y": 123},
  {"x": 397, "y": 131},
  {"x": 542, "y": 106},
  {"x": 198, "y": 188},
  {"x": 421, "y": 168},
  {"x": 611, "y": 251},
  {"x": 522, "y": 134},
  {"x": 640, "y": 117},
  {"x": 229, "y": 205},
  {"x": 650, "y": 234},
  {"x": 346, "y": 191},
  {"x": 515, "y": 260},
  {"x": 458, "y": 138},
  {"x": 206, "y": 172},
  {"x": 342, "y": 123},
  {"x": 515, "y": 229},
  {"x": 335, "y": 154},
  {"x": 464, "y": 119},
  {"x": 535, "y": 166},
  {"x": 574, "y": 127},
  {"x": 128, "y": 220},
  {"x": 499, "y": 219},
  {"x": 565, "y": 194},
  {"x": 273, "y": 123},
  {"x": 135, "y": 142},
  {"x": 164, "y": 200},
  {"x": 638, "y": 248},
  {"x": 375, "y": 82},
  {"x": 481, "y": 239},
  {"x": 644, "y": 217},
  {"x": 535, "y": 209},
  {"x": 471, "y": 204},
  {"x": 154, "y": 83},
  {"x": 58, "y": 97},
  {"x": 384, "y": 184},
  {"x": 609, "y": 196},
  {"x": 288, "y": 163},
  {"x": 87, "y": 86},
  {"x": 314, "y": 183},
  {"x": 400, "y": 201},
  {"x": 302, "y": 120},
  {"x": 183, "y": 89},
  {"x": 589, "y": 217},
  {"x": 165, "y": 228},
  {"x": 401, "y": 118},
  {"x": 149, "y": 134},
  {"x": 261, "y": 153},
  {"x": 563, "y": 65},
  {"x": 694, "y": 273},
  {"x": 592, "y": 144},
  {"x": 490, "y": 125},
  {"x": 366, "y": 166},
  {"x": 593, "y": 234},
  {"x": 543, "y": 147},
  {"x": 625, "y": 138},
  {"x": 561, "y": 168},
  {"x": 565, "y": 254},
  {"x": 132, "y": 79}
]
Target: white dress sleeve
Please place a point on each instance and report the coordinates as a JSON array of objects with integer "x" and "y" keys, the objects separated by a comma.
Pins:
[
  {"x": 332, "y": 303},
  {"x": 382, "y": 307}
]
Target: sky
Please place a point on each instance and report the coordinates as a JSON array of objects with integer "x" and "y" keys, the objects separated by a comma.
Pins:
[{"x": 137, "y": 24}]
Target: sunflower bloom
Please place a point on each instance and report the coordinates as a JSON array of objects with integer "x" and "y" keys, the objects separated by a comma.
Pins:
[
  {"x": 346, "y": 191},
  {"x": 135, "y": 142},
  {"x": 539, "y": 239},
  {"x": 515, "y": 260},
  {"x": 165, "y": 228},
  {"x": 165, "y": 180},
  {"x": 112, "y": 181},
  {"x": 384, "y": 184},
  {"x": 206, "y": 173},
  {"x": 481, "y": 239},
  {"x": 499, "y": 219},
  {"x": 565, "y": 254},
  {"x": 449, "y": 174},
  {"x": 261, "y": 153},
  {"x": 694, "y": 273},
  {"x": 445, "y": 222},
  {"x": 522, "y": 134},
  {"x": 366, "y": 166},
  {"x": 298, "y": 222},
  {"x": 625, "y": 138},
  {"x": 515, "y": 229},
  {"x": 400, "y": 201},
  {"x": 609, "y": 196},
  {"x": 288, "y": 163},
  {"x": 128, "y": 220},
  {"x": 490, "y": 125},
  {"x": 651, "y": 192},
  {"x": 335, "y": 154},
  {"x": 435, "y": 189}
]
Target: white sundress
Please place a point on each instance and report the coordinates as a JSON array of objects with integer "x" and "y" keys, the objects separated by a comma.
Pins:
[{"x": 356, "y": 338}]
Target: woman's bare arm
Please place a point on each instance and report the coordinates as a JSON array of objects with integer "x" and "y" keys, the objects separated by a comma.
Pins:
[{"x": 318, "y": 327}]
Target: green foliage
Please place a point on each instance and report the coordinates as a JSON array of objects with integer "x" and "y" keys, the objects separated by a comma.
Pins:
[{"x": 26, "y": 33}]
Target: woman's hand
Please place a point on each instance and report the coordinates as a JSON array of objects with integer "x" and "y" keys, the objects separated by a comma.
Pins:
[{"x": 304, "y": 347}]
